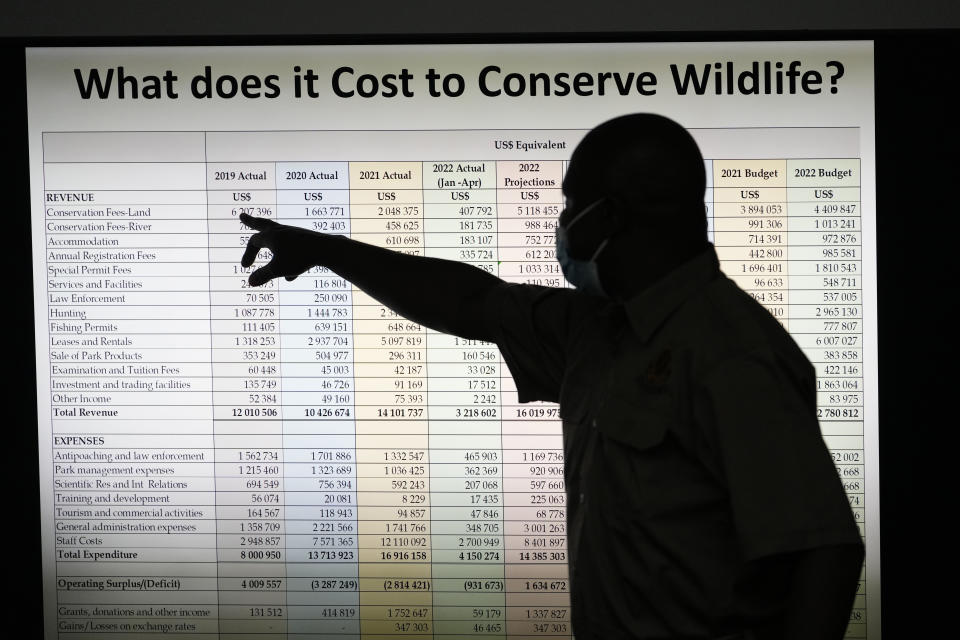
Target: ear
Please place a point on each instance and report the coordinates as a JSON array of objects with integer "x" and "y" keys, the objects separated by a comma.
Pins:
[{"x": 616, "y": 213}]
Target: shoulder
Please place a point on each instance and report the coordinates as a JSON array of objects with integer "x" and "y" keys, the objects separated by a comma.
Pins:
[
  {"x": 537, "y": 329},
  {"x": 513, "y": 303},
  {"x": 726, "y": 325}
]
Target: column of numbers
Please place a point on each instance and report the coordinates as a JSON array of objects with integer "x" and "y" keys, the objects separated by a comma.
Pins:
[
  {"x": 529, "y": 200},
  {"x": 392, "y": 434},
  {"x": 319, "y": 428},
  {"x": 826, "y": 315},
  {"x": 247, "y": 427},
  {"x": 460, "y": 218},
  {"x": 750, "y": 229}
]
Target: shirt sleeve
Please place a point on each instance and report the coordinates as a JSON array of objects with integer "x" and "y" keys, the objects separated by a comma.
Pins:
[
  {"x": 785, "y": 493},
  {"x": 535, "y": 327}
]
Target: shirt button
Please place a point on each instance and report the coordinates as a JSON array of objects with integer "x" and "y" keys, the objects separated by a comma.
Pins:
[
  {"x": 583, "y": 498},
  {"x": 594, "y": 423}
]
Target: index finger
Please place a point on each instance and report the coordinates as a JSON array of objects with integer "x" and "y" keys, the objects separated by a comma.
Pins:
[{"x": 260, "y": 224}]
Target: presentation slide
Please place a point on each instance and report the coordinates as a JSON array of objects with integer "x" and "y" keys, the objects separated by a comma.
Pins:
[{"x": 297, "y": 460}]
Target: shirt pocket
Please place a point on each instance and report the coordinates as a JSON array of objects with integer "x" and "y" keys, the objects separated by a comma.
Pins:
[{"x": 633, "y": 463}]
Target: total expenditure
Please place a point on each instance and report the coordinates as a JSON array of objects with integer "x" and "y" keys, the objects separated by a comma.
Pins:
[{"x": 296, "y": 460}]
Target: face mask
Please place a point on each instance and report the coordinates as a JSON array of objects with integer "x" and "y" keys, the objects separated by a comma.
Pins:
[{"x": 583, "y": 274}]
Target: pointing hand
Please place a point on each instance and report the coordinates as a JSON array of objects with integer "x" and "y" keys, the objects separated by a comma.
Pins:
[{"x": 294, "y": 249}]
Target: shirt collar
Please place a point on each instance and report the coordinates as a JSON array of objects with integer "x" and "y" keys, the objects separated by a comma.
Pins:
[{"x": 651, "y": 307}]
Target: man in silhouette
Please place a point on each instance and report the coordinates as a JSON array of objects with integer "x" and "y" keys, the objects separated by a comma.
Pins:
[{"x": 701, "y": 499}]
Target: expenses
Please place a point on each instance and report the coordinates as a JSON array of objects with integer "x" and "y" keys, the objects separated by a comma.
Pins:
[{"x": 298, "y": 461}]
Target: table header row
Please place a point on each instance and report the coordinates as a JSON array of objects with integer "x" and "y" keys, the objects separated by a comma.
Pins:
[{"x": 431, "y": 175}]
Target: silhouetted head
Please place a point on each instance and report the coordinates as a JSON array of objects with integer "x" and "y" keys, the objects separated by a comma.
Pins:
[{"x": 648, "y": 175}]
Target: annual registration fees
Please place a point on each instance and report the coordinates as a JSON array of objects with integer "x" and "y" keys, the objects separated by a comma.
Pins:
[{"x": 297, "y": 460}]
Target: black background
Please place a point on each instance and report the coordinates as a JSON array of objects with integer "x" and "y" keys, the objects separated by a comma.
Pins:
[{"x": 917, "y": 73}]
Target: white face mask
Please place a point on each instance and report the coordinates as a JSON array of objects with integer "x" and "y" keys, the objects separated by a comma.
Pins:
[{"x": 582, "y": 274}]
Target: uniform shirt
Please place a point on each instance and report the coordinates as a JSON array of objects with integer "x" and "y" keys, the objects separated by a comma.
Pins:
[{"x": 691, "y": 445}]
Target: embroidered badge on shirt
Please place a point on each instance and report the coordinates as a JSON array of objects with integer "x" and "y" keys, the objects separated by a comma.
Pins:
[{"x": 658, "y": 372}]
